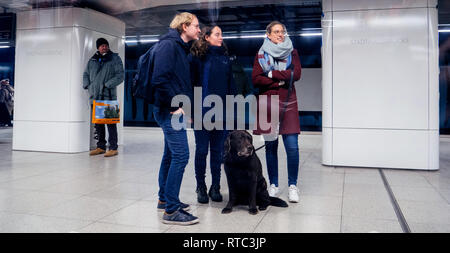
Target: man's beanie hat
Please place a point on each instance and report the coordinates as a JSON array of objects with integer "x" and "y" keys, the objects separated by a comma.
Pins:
[{"x": 101, "y": 41}]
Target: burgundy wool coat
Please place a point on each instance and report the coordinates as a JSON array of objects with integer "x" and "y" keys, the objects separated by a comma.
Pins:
[{"x": 270, "y": 86}]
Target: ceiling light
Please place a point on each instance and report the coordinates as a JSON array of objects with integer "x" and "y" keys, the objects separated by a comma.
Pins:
[{"x": 310, "y": 34}]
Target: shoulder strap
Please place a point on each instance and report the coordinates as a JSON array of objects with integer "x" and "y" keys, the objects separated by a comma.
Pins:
[
  {"x": 289, "y": 60},
  {"x": 292, "y": 75}
]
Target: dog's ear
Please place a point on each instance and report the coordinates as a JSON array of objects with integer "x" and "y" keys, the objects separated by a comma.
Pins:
[
  {"x": 227, "y": 146},
  {"x": 250, "y": 136}
]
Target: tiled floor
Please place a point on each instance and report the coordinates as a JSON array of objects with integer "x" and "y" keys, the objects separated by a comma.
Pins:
[{"x": 49, "y": 192}]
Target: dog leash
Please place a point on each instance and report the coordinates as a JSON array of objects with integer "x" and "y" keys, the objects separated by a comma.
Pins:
[{"x": 285, "y": 105}]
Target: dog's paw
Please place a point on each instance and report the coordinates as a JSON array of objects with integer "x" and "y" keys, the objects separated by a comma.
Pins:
[
  {"x": 226, "y": 210},
  {"x": 262, "y": 208},
  {"x": 253, "y": 211}
]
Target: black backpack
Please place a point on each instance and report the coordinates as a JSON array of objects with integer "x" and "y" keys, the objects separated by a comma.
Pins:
[{"x": 142, "y": 88}]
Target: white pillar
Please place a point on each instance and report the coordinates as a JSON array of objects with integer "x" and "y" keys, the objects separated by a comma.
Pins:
[
  {"x": 53, "y": 46},
  {"x": 380, "y": 84}
]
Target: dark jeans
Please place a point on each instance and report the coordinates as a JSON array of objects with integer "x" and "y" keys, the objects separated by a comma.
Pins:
[
  {"x": 214, "y": 139},
  {"x": 291, "y": 145},
  {"x": 112, "y": 138},
  {"x": 174, "y": 160}
]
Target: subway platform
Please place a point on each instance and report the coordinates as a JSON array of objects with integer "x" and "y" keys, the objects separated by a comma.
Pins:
[{"x": 75, "y": 193}]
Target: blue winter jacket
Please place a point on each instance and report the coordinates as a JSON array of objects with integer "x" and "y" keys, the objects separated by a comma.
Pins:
[
  {"x": 214, "y": 74},
  {"x": 171, "y": 73}
]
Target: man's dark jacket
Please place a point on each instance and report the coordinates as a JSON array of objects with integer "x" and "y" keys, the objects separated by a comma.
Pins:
[
  {"x": 171, "y": 71},
  {"x": 102, "y": 75}
]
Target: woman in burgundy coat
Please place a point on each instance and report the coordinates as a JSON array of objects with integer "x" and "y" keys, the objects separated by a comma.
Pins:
[{"x": 271, "y": 74}]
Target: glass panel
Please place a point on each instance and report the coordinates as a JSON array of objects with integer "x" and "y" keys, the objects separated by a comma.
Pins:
[
  {"x": 244, "y": 26},
  {"x": 444, "y": 81}
]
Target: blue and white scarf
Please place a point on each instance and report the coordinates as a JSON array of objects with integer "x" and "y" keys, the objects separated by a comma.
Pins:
[{"x": 273, "y": 56}]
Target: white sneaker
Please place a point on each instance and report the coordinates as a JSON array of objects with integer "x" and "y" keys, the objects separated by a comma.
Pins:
[
  {"x": 293, "y": 193},
  {"x": 273, "y": 190}
]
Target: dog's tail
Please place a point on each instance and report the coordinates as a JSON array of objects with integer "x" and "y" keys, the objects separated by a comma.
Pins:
[{"x": 278, "y": 202}]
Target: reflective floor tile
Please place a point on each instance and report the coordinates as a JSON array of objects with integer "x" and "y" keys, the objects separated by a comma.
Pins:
[
  {"x": 406, "y": 178},
  {"x": 321, "y": 177},
  {"x": 425, "y": 213},
  {"x": 438, "y": 181},
  {"x": 34, "y": 202},
  {"x": 299, "y": 223},
  {"x": 139, "y": 214},
  {"x": 33, "y": 182},
  {"x": 132, "y": 191},
  {"x": 367, "y": 178},
  {"x": 80, "y": 186},
  {"x": 365, "y": 191},
  {"x": 368, "y": 225},
  {"x": 368, "y": 207},
  {"x": 101, "y": 227},
  {"x": 445, "y": 194},
  {"x": 314, "y": 205},
  {"x": 42, "y": 224},
  {"x": 87, "y": 208},
  {"x": 7, "y": 217},
  {"x": 429, "y": 228},
  {"x": 61, "y": 188},
  {"x": 213, "y": 221},
  {"x": 6, "y": 193},
  {"x": 424, "y": 194}
]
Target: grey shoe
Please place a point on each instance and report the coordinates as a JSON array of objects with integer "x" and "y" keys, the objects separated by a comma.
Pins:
[
  {"x": 162, "y": 206},
  {"x": 179, "y": 217}
]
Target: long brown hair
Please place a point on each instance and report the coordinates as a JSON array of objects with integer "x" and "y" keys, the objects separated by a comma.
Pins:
[{"x": 200, "y": 47}]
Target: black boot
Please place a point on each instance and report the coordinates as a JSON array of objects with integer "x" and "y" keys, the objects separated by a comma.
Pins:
[
  {"x": 214, "y": 193},
  {"x": 202, "y": 197}
]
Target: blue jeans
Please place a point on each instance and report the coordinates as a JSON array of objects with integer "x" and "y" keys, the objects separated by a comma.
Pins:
[
  {"x": 215, "y": 140},
  {"x": 291, "y": 145},
  {"x": 174, "y": 160}
]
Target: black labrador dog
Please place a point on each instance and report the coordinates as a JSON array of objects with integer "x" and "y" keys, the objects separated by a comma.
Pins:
[{"x": 243, "y": 169}]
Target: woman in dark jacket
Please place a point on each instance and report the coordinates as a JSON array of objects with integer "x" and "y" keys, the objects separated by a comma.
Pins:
[
  {"x": 271, "y": 74},
  {"x": 211, "y": 70}
]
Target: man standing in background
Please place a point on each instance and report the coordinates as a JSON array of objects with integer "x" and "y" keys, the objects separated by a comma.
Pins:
[{"x": 103, "y": 73}]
